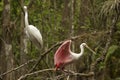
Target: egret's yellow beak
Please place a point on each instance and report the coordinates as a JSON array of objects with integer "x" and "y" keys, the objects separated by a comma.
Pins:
[{"x": 90, "y": 49}]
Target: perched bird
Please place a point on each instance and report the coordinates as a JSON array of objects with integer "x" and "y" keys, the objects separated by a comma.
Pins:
[
  {"x": 32, "y": 32},
  {"x": 65, "y": 56}
]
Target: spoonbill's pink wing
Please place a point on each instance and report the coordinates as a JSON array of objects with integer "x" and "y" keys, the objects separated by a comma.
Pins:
[{"x": 62, "y": 54}]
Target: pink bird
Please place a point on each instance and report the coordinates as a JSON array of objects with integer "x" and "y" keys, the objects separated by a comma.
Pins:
[{"x": 65, "y": 56}]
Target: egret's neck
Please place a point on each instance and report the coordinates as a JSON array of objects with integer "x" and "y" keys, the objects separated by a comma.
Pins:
[
  {"x": 26, "y": 19},
  {"x": 77, "y": 56}
]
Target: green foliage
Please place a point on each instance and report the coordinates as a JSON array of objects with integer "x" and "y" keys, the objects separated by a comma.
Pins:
[
  {"x": 112, "y": 61},
  {"x": 118, "y": 26},
  {"x": 110, "y": 7},
  {"x": 111, "y": 51},
  {"x": 1, "y": 6}
]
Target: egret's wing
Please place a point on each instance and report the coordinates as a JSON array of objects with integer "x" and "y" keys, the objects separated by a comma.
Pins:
[
  {"x": 62, "y": 53},
  {"x": 35, "y": 36}
]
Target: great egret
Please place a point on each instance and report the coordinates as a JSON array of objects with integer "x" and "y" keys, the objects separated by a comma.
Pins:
[
  {"x": 65, "y": 56},
  {"x": 32, "y": 32}
]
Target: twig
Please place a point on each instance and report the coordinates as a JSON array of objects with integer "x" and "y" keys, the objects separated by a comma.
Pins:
[
  {"x": 33, "y": 73},
  {"x": 78, "y": 74},
  {"x": 60, "y": 76},
  {"x": 82, "y": 74},
  {"x": 17, "y": 68},
  {"x": 75, "y": 74}
]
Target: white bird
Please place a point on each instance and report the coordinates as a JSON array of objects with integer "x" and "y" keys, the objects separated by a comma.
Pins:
[
  {"x": 32, "y": 32},
  {"x": 65, "y": 56}
]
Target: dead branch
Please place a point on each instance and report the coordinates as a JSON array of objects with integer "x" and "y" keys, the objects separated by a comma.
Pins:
[
  {"x": 69, "y": 73},
  {"x": 82, "y": 74},
  {"x": 33, "y": 73},
  {"x": 1, "y": 75}
]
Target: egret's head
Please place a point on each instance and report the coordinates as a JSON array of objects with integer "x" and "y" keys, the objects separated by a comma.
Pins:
[{"x": 25, "y": 8}]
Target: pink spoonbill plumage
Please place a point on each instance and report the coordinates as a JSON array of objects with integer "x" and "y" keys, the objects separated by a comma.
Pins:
[{"x": 65, "y": 56}]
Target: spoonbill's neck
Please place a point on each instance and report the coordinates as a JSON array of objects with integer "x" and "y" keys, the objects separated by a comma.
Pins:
[{"x": 78, "y": 55}]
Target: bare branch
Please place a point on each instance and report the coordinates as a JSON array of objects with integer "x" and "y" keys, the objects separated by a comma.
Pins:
[
  {"x": 17, "y": 68},
  {"x": 33, "y": 73},
  {"x": 60, "y": 76}
]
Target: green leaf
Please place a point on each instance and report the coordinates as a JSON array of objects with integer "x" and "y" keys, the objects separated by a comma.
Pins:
[{"x": 111, "y": 51}]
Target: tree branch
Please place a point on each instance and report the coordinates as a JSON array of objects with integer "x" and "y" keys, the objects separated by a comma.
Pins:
[
  {"x": 71, "y": 73},
  {"x": 17, "y": 68},
  {"x": 58, "y": 77},
  {"x": 33, "y": 73}
]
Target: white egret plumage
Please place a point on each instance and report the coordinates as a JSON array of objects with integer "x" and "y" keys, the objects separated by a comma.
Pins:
[{"x": 32, "y": 32}]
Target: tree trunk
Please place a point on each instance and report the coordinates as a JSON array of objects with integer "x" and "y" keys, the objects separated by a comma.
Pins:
[
  {"x": 23, "y": 45},
  {"x": 2, "y": 58},
  {"x": 7, "y": 37},
  {"x": 83, "y": 12},
  {"x": 66, "y": 19}
]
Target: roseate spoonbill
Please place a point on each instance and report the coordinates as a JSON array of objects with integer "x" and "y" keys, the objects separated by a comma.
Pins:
[
  {"x": 32, "y": 32},
  {"x": 65, "y": 56}
]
